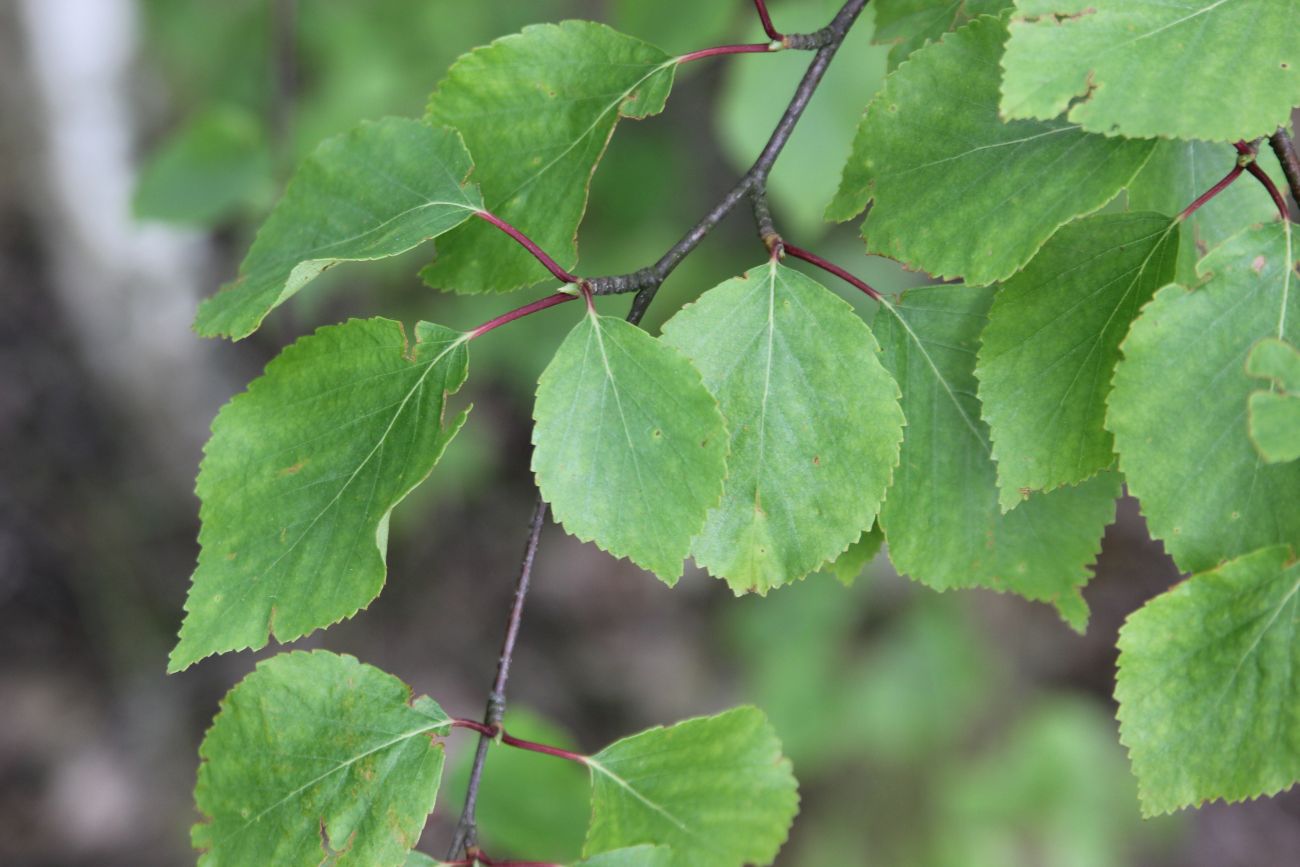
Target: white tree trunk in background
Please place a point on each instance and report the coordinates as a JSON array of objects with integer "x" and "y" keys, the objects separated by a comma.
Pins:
[{"x": 128, "y": 290}]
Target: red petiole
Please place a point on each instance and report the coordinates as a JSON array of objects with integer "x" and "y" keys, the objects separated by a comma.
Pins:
[
  {"x": 1248, "y": 154},
  {"x": 814, "y": 259},
  {"x": 768, "y": 28},
  {"x": 517, "y": 743},
  {"x": 751, "y": 48}
]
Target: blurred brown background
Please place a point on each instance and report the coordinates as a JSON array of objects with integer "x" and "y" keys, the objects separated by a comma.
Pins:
[{"x": 143, "y": 139}]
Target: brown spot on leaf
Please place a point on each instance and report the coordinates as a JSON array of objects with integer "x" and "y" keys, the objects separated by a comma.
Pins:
[
  {"x": 293, "y": 470},
  {"x": 1258, "y": 265}
]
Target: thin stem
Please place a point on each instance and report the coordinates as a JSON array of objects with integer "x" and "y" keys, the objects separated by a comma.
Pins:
[
  {"x": 768, "y": 28},
  {"x": 480, "y": 858},
  {"x": 1247, "y": 160},
  {"x": 467, "y": 829},
  {"x": 544, "y": 749},
  {"x": 527, "y": 243},
  {"x": 814, "y": 259},
  {"x": 520, "y": 313},
  {"x": 752, "y": 48},
  {"x": 1284, "y": 147},
  {"x": 1209, "y": 194},
  {"x": 646, "y": 282}
]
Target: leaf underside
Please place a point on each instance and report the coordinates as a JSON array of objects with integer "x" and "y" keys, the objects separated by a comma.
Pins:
[
  {"x": 379, "y": 190},
  {"x": 814, "y": 420},
  {"x": 628, "y": 446},
  {"x": 1049, "y": 351},
  {"x": 941, "y": 515}
]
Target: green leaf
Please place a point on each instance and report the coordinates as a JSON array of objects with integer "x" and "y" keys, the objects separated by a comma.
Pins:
[
  {"x": 910, "y": 24},
  {"x": 215, "y": 166},
  {"x": 1209, "y": 700},
  {"x": 316, "y": 755},
  {"x": 1178, "y": 408},
  {"x": 629, "y": 448},
  {"x": 301, "y": 474},
  {"x": 1145, "y": 68},
  {"x": 957, "y": 191},
  {"x": 1275, "y": 414},
  {"x": 941, "y": 515},
  {"x": 633, "y": 856},
  {"x": 814, "y": 421},
  {"x": 537, "y": 110},
  {"x": 1178, "y": 173},
  {"x": 848, "y": 566},
  {"x": 716, "y": 790},
  {"x": 1051, "y": 345},
  {"x": 376, "y": 191}
]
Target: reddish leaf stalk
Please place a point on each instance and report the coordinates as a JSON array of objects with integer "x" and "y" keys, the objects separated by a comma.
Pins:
[
  {"x": 495, "y": 731},
  {"x": 520, "y": 313},
  {"x": 1209, "y": 194},
  {"x": 1248, "y": 153},
  {"x": 527, "y": 243},
  {"x": 752, "y": 48},
  {"x": 814, "y": 259},
  {"x": 768, "y": 28}
]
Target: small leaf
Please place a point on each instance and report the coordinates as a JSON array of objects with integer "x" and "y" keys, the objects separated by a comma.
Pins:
[
  {"x": 1178, "y": 408},
  {"x": 1178, "y": 173},
  {"x": 1052, "y": 342},
  {"x": 376, "y": 191},
  {"x": 214, "y": 167},
  {"x": 941, "y": 515},
  {"x": 910, "y": 24},
  {"x": 1144, "y": 68},
  {"x": 848, "y": 566},
  {"x": 716, "y": 790},
  {"x": 1209, "y": 700},
  {"x": 814, "y": 421},
  {"x": 301, "y": 474},
  {"x": 957, "y": 191},
  {"x": 316, "y": 755},
  {"x": 1275, "y": 415},
  {"x": 633, "y": 856},
  {"x": 537, "y": 110},
  {"x": 629, "y": 448}
]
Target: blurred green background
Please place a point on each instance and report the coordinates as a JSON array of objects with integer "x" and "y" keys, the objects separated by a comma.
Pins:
[{"x": 145, "y": 139}]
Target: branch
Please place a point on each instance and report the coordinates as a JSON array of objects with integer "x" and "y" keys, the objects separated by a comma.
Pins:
[
  {"x": 1286, "y": 155},
  {"x": 646, "y": 282},
  {"x": 1247, "y": 160},
  {"x": 467, "y": 828}
]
